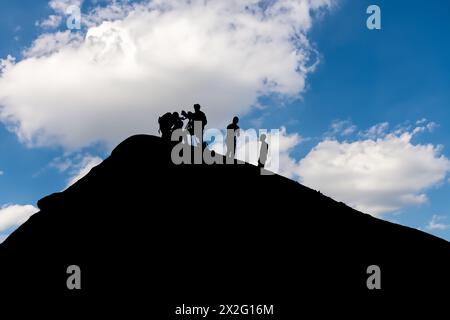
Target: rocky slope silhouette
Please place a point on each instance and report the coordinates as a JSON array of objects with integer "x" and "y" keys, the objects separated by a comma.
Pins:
[{"x": 151, "y": 235}]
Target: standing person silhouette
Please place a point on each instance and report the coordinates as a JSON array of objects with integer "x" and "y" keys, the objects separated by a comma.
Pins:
[
  {"x": 233, "y": 132},
  {"x": 263, "y": 151},
  {"x": 199, "y": 116}
]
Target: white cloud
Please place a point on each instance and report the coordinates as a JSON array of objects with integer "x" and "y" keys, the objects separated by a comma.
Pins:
[
  {"x": 376, "y": 174},
  {"x": 60, "y": 6},
  {"x": 421, "y": 121},
  {"x": 377, "y": 131},
  {"x": 248, "y": 147},
  {"x": 116, "y": 79},
  {"x": 74, "y": 166},
  {"x": 52, "y": 21},
  {"x": 82, "y": 168},
  {"x": 14, "y": 215},
  {"x": 3, "y": 237},
  {"x": 287, "y": 142},
  {"x": 116, "y": 10},
  {"x": 48, "y": 44},
  {"x": 1, "y": 172},
  {"x": 62, "y": 164},
  {"x": 341, "y": 128},
  {"x": 436, "y": 223}
]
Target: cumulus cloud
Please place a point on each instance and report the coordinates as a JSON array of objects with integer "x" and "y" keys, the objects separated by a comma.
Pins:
[
  {"x": 14, "y": 215},
  {"x": 281, "y": 143},
  {"x": 437, "y": 223},
  {"x": 134, "y": 62},
  {"x": 50, "y": 43},
  {"x": 3, "y": 237},
  {"x": 381, "y": 172},
  {"x": 82, "y": 168},
  {"x": 61, "y": 6},
  {"x": 377, "y": 131},
  {"x": 52, "y": 21},
  {"x": 75, "y": 166},
  {"x": 61, "y": 11},
  {"x": 341, "y": 128}
]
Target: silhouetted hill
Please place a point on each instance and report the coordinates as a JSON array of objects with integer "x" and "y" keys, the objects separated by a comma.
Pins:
[{"x": 148, "y": 234}]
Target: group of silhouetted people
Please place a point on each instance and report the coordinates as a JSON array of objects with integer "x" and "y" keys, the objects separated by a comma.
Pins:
[
  {"x": 233, "y": 131},
  {"x": 169, "y": 122}
]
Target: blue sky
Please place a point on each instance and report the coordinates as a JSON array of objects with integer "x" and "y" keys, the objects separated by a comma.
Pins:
[{"x": 397, "y": 75}]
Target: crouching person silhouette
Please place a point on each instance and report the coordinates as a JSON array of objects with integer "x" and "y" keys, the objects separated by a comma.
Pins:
[{"x": 177, "y": 125}]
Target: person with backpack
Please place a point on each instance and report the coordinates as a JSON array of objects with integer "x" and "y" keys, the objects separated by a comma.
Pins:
[{"x": 165, "y": 126}]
